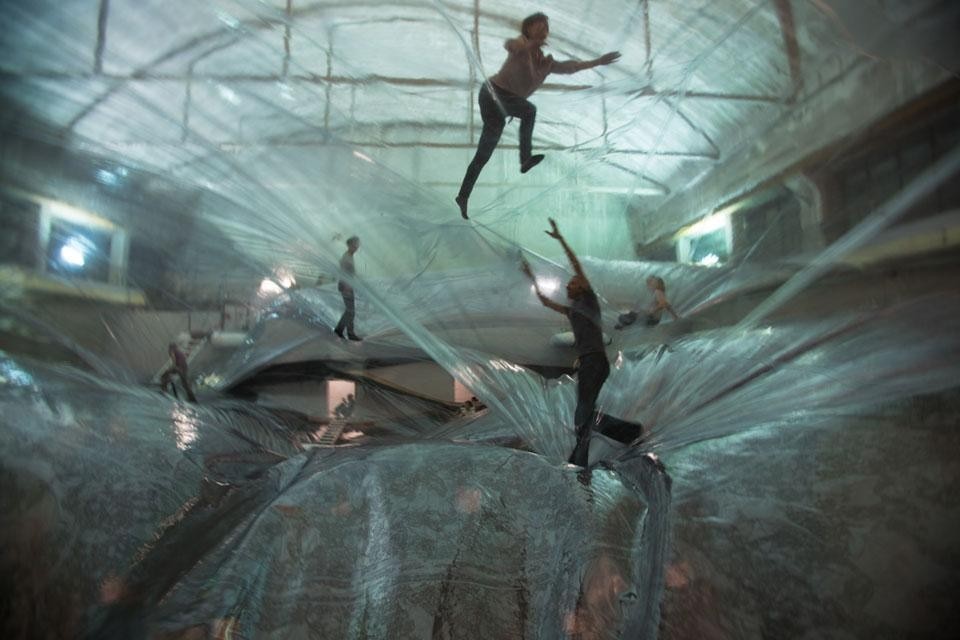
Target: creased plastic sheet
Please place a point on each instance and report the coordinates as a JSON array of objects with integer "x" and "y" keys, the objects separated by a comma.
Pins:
[
  {"x": 402, "y": 539},
  {"x": 239, "y": 143}
]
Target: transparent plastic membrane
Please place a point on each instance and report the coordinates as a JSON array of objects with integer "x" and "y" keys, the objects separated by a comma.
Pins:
[{"x": 777, "y": 462}]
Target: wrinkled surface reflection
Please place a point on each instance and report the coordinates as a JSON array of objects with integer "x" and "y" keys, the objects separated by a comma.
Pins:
[{"x": 404, "y": 539}]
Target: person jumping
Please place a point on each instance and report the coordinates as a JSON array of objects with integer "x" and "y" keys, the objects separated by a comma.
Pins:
[{"x": 505, "y": 94}]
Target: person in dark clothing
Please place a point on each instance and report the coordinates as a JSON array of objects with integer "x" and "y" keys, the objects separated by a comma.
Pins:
[
  {"x": 584, "y": 316},
  {"x": 505, "y": 94},
  {"x": 178, "y": 366},
  {"x": 346, "y": 290}
]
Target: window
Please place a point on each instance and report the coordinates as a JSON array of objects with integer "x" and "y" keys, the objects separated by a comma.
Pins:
[
  {"x": 76, "y": 251},
  {"x": 707, "y": 242}
]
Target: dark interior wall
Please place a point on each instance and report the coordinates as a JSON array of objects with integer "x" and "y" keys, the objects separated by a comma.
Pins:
[
  {"x": 769, "y": 231},
  {"x": 174, "y": 257},
  {"x": 853, "y": 177},
  {"x": 887, "y": 158}
]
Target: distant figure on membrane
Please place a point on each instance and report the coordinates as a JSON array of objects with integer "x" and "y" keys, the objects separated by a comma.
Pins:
[
  {"x": 345, "y": 409},
  {"x": 346, "y": 290},
  {"x": 506, "y": 93},
  {"x": 178, "y": 366},
  {"x": 593, "y": 367},
  {"x": 654, "y": 314}
]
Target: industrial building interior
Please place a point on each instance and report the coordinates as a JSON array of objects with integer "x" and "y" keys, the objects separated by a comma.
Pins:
[{"x": 187, "y": 173}]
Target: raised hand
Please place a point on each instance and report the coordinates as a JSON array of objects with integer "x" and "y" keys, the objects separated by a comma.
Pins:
[
  {"x": 554, "y": 232},
  {"x": 609, "y": 58}
]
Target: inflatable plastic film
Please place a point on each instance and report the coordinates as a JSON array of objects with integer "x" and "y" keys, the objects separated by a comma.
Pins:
[{"x": 123, "y": 508}]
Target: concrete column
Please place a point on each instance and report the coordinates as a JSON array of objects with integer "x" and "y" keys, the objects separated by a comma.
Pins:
[
  {"x": 810, "y": 198},
  {"x": 119, "y": 253}
]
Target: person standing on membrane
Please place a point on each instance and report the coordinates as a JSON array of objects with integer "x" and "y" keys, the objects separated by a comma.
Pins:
[
  {"x": 505, "y": 94},
  {"x": 346, "y": 290},
  {"x": 178, "y": 367},
  {"x": 593, "y": 366}
]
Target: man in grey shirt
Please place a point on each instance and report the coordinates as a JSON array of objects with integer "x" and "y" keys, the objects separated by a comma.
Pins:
[
  {"x": 506, "y": 93},
  {"x": 593, "y": 369},
  {"x": 346, "y": 290}
]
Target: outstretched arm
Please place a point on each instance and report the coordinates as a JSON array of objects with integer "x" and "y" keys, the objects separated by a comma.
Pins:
[
  {"x": 544, "y": 300},
  {"x": 572, "y": 66},
  {"x": 554, "y": 232}
]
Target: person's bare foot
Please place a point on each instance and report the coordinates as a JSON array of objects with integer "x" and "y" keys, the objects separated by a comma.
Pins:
[{"x": 462, "y": 203}]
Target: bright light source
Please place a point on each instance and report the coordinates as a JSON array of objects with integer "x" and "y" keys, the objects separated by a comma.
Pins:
[
  {"x": 284, "y": 278},
  {"x": 107, "y": 177},
  {"x": 228, "y": 20},
  {"x": 548, "y": 285},
  {"x": 73, "y": 253},
  {"x": 711, "y": 223},
  {"x": 709, "y": 260},
  {"x": 269, "y": 288},
  {"x": 286, "y": 92},
  {"x": 228, "y": 94},
  {"x": 363, "y": 157}
]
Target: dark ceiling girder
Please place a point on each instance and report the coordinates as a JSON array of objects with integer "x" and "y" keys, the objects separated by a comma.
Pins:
[
  {"x": 252, "y": 24},
  {"x": 144, "y": 73},
  {"x": 261, "y": 23},
  {"x": 457, "y": 145},
  {"x": 648, "y": 54},
  {"x": 790, "y": 46},
  {"x": 646, "y": 91},
  {"x": 102, "y": 14}
]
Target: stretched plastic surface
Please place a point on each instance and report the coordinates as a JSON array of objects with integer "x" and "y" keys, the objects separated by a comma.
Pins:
[{"x": 229, "y": 148}]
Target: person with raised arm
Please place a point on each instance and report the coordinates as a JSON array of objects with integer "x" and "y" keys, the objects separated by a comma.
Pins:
[
  {"x": 505, "y": 94},
  {"x": 583, "y": 312}
]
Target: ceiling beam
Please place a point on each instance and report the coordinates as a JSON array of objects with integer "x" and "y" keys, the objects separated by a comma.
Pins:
[
  {"x": 102, "y": 15},
  {"x": 334, "y": 80},
  {"x": 426, "y": 144},
  {"x": 790, "y": 46}
]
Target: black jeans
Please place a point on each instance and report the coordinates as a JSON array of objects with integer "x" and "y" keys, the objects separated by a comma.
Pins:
[
  {"x": 346, "y": 320},
  {"x": 494, "y": 119},
  {"x": 167, "y": 381},
  {"x": 593, "y": 372},
  {"x": 626, "y": 319}
]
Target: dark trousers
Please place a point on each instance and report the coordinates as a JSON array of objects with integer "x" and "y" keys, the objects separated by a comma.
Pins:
[
  {"x": 593, "y": 372},
  {"x": 493, "y": 122},
  {"x": 626, "y": 319},
  {"x": 346, "y": 320},
  {"x": 167, "y": 381}
]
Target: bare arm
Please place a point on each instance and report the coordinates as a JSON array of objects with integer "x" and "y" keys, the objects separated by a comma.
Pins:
[
  {"x": 662, "y": 303},
  {"x": 571, "y": 256},
  {"x": 544, "y": 300},
  {"x": 572, "y": 66},
  {"x": 673, "y": 313}
]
